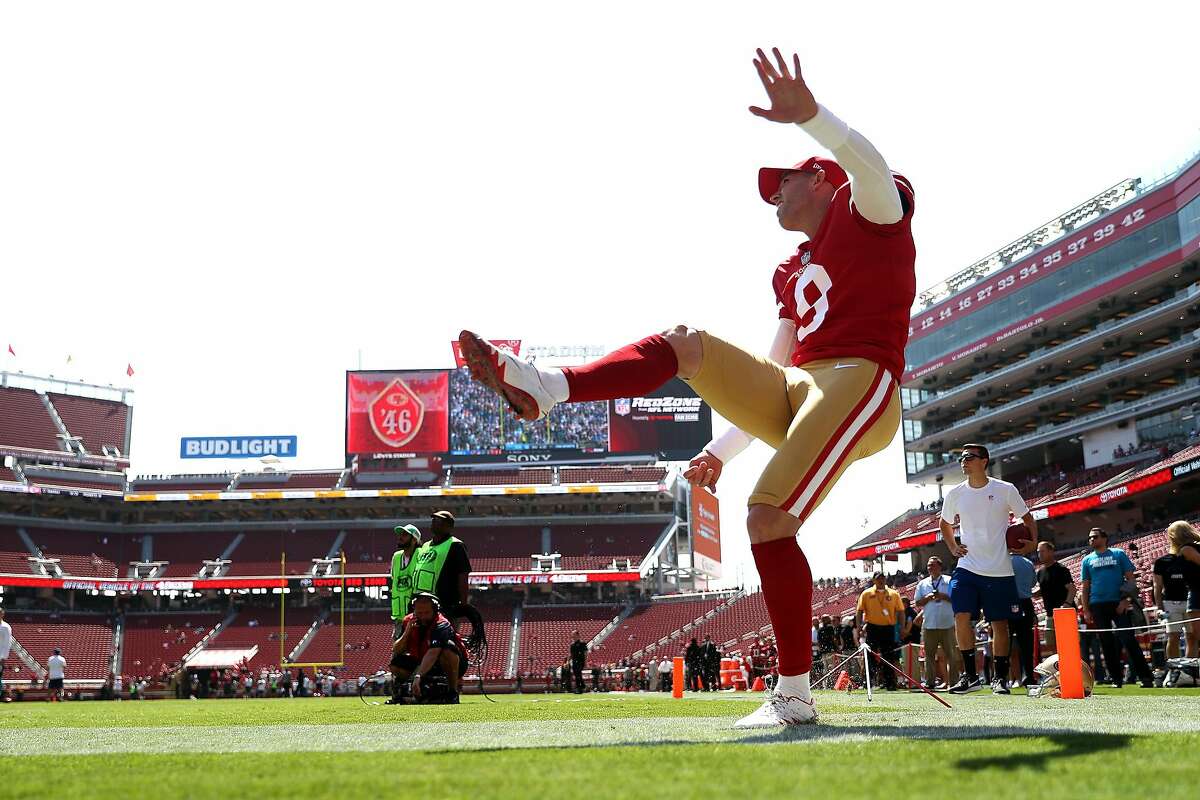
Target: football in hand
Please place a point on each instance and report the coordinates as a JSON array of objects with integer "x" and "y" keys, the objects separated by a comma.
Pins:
[{"x": 1018, "y": 536}]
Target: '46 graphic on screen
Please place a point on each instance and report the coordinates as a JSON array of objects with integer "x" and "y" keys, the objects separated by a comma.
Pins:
[{"x": 396, "y": 414}]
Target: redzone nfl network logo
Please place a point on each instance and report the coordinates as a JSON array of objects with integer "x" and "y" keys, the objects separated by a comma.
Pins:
[
  {"x": 682, "y": 404},
  {"x": 680, "y": 409}
]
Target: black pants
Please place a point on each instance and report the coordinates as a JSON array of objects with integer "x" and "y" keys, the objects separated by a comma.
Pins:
[
  {"x": 1105, "y": 614},
  {"x": 1022, "y": 629},
  {"x": 577, "y": 672},
  {"x": 882, "y": 639}
]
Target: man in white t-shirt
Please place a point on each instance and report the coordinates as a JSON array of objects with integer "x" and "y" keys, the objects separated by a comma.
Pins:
[
  {"x": 664, "y": 675},
  {"x": 983, "y": 578},
  {"x": 56, "y": 673},
  {"x": 5, "y": 647}
]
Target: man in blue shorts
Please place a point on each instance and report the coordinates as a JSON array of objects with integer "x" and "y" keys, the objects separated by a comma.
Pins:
[{"x": 983, "y": 578}]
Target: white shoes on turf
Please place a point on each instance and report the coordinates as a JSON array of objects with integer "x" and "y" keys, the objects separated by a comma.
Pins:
[
  {"x": 780, "y": 709},
  {"x": 519, "y": 382}
]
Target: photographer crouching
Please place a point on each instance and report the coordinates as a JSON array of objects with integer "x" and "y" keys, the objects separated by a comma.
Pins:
[{"x": 429, "y": 659}]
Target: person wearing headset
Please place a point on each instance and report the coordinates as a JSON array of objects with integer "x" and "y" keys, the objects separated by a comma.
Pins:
[{"x": 428, "y": 648}]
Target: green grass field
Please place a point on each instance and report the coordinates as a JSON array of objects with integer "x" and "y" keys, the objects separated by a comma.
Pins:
[{"x": 1129, "y": 744}]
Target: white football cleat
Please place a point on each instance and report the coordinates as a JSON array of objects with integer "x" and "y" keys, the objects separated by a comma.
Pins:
[
  {"x": 514, "y": 379},
  {"x": 780, "y": 709}
]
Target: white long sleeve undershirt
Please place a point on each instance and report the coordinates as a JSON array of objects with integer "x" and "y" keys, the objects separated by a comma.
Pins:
[
  {"x": 872, "y": 187},
  {"x": 735, "y": 440},
  {"x": 872, "y": 191}
]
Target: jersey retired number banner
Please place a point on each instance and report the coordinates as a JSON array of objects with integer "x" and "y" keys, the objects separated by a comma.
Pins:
[{"x": 397, "y": 412}]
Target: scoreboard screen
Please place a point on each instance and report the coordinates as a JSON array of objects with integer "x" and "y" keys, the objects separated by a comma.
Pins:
[{"x": 444, "y": 413}]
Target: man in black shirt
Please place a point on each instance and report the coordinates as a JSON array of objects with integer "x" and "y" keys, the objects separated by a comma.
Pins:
[
  {"x": 578, "y": 659},
  {"x": 451, "y": 582},
  {"x": 846, "y": 635},
  {"x": 710, "y": 661},
  {"x": 1171, "y": 594},
  {"x": 1055, "y": 586},
  {"x": 693, "y": 666}
]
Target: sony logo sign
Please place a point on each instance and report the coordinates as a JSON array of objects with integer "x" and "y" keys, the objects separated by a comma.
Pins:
[{"x": 527, "y": 457}]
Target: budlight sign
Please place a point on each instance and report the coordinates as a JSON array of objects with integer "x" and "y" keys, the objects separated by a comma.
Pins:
[{"x": 237, "y": 446}]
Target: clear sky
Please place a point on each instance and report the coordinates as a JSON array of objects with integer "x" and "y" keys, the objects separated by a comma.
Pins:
[{"x": 239, "y": 197}]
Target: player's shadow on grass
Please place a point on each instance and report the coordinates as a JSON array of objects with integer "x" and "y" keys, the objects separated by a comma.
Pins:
[{"x": 1070, "y": 743}]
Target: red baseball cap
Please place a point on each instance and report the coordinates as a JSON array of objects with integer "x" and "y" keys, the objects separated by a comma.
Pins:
[{"x": 769, "y": 178}]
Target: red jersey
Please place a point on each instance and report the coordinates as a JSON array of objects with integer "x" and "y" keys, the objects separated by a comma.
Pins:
[
  {"x": 851, "y": 287},
  {"x": 438, "y": 633}
]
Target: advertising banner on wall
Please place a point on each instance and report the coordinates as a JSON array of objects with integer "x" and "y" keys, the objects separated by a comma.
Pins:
[{"x": 705, "y": 523}]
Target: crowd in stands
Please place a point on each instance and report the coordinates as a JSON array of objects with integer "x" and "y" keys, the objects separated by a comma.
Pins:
[
  {"x": 583, "y": 426},
  {"x": 474, "y": 415},
  {"x": 477, "y": 424}
]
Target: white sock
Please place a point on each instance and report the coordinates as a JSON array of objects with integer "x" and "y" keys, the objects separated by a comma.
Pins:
[
  {"x": 794, "y": 685},
  {"x": 554, "y": 381}
]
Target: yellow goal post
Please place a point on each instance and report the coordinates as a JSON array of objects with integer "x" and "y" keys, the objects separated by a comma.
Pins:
[{"x": 283, "y": 662}]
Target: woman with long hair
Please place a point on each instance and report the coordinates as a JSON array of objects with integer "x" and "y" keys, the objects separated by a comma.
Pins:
[{"x": 1184, "y": 541}]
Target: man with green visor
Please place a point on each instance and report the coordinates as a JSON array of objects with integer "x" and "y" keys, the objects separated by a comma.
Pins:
[
  {"x": 408, "y": 539},
  {"x": 442, "y": 565}
]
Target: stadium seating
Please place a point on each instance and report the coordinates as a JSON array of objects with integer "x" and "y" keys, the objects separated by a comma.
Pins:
[
  {"x": 648, "y": 624},
  {"x": 369, "y": 550},
  {"x": 181, "y": 483},
  {"x": 25, "y": 422},
  {"x": 497, "y": 627},
  {"x": 14, "y": 556},
  {"x": 260, "y": 627},
  {"x": 368, "y": 639},
  {"x": 83, "y": 482},
  {"x": 153, "y": 641},
  {"x": 86, "y": 554},
  {"x": 261, "y": 482},
  {"x": 502, "y": 548},
  {"x": 98, "y": 423},
  {"x": 8, "y": 476},
  {"x": 86, "y": 640},
  {"x": 617, "y": 474},
  {"x": 747, "y": 616},
  {"x": 259, "y": 551},
  {"x": 187, "y": 551},
  {"x": 596, "y": 546},
  {"x": 505, "y": 477},
  {"x": 546, "y": 632}
]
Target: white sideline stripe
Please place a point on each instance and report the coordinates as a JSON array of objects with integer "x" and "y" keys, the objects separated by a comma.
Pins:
[
  {"x": 1016, "y": 716},
  {"x": 831, "y": 461}
]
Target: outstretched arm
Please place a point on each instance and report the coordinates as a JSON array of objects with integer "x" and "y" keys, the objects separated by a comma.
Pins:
[{"x": 872, "y": 187}]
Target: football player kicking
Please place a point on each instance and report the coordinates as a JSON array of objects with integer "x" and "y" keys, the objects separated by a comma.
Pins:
[
  {"x": 983, "y": 578},
  {"x": 826, "y": 393}
]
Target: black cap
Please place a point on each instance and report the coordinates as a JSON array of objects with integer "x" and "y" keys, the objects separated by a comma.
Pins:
[{"x": 446, "y": 515}]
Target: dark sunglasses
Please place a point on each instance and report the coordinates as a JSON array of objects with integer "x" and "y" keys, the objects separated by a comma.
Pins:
[{"x": 968, "y": 456}]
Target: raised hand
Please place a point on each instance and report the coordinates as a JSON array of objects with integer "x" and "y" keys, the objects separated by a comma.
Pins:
[
  {"x": 791, "y": 100},
  {"x": 704, "y": 470}
]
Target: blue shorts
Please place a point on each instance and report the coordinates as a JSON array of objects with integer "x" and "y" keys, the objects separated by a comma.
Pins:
[{"x": 997, "y": 596}]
